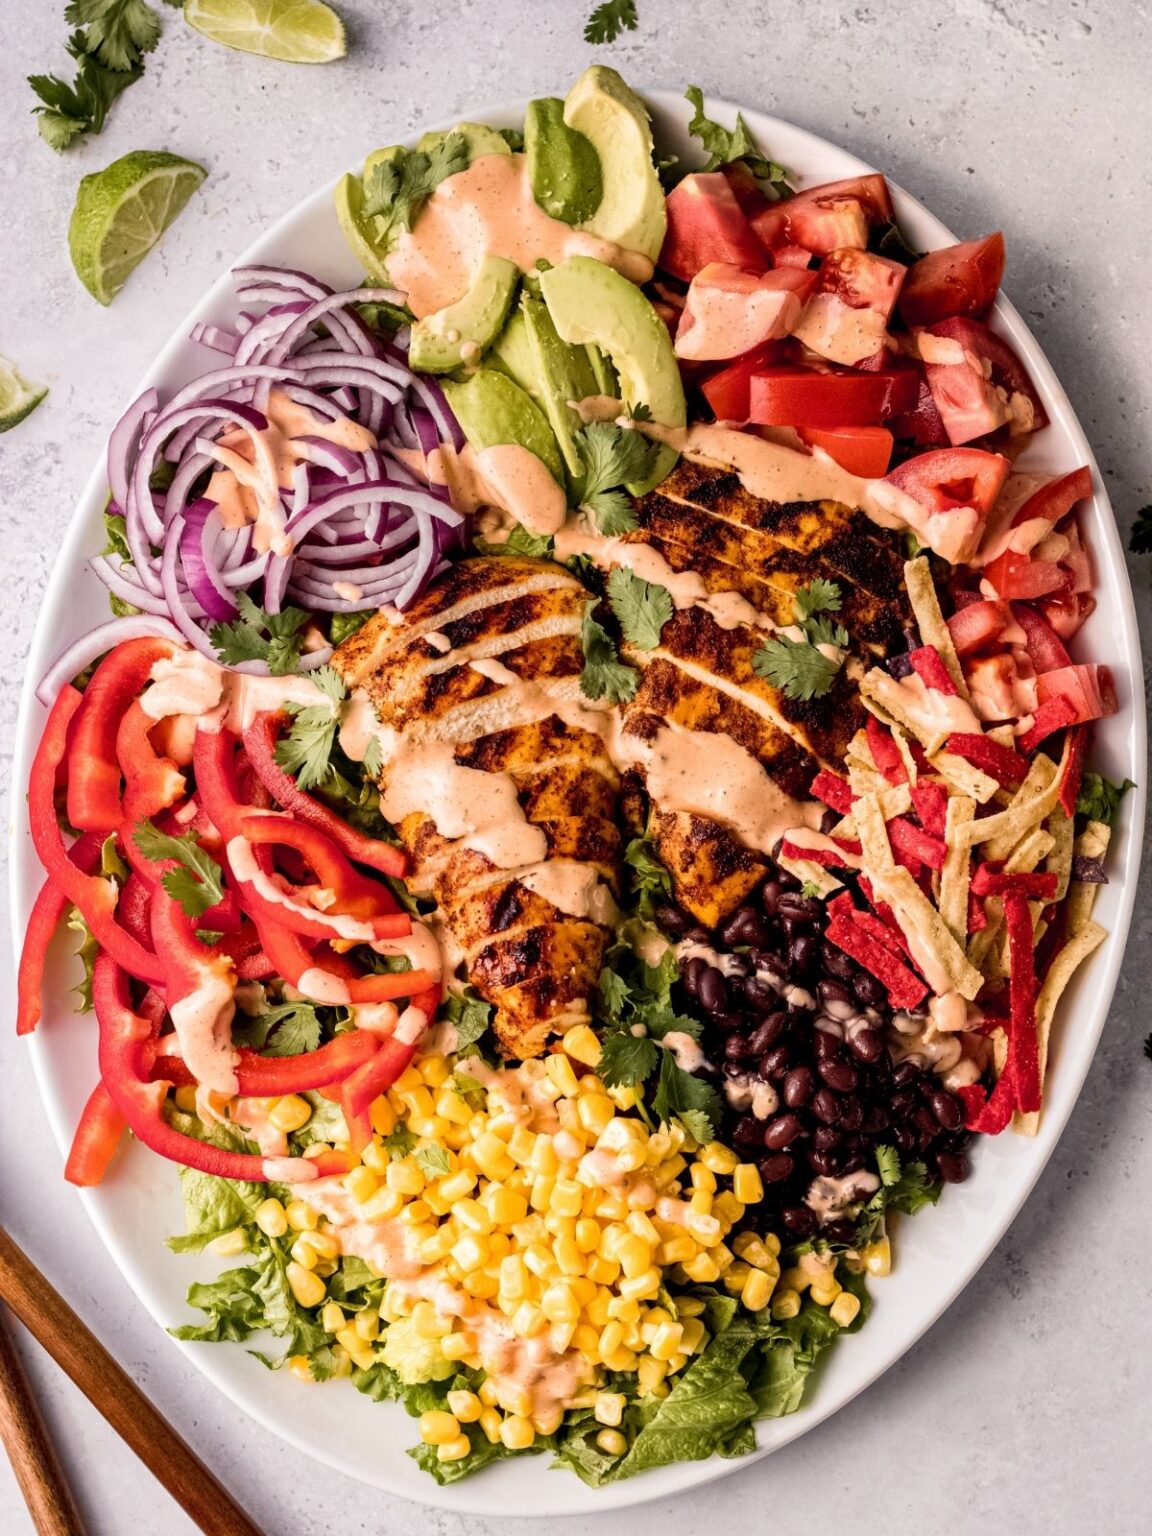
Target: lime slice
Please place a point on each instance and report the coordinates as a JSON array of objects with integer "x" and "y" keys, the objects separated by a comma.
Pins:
[
  {"x": 122, "y": 211},
  {"x": 296, "y": 31},
  {"x": 18, "y": 398}
]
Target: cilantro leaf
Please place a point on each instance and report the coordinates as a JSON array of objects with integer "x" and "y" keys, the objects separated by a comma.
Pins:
[
  {"x": 888, "y": 1165},
  {"x": 680, "y": 1096},
  {"x": 903, "y": 1187},
  {"x": 470, "y": 1015},
  {"x": 613, "y": 457},
  {"x": 397, "y": 188},
  {"x": 1099, "y": 798},
  {"x": 343, "y": 625},
  {"x": 1140, "y": 539},
  {"x": 811, "y": 889},
  {"x": 433, "y": 1159},
  {"x": 626, "y": 1058},
  {"x": 825, "y": 631},
  {"x": 209, "y": 936},
  {"x": 290, "y": 1029},
  {"x": 795, "y": 667},
  {"x": 650, "y": 881},
  {"x": 306, "y": 751},
  {"x": 642, "y": 607},
  {"x": 68, "y": 112},
  {"x": 259, "y": 636},
  {"x": 727, "y": 146},
  {"x": 118, "y": 31},
  {"x": 400, "y": 1142},
  {"x": 197, "y": 883},
  {"x": 819, "y": 596},
  {"x": 609, "y": 19},
  {"x": 604, "y": 675},
  {"x": 538, "y": 546}
]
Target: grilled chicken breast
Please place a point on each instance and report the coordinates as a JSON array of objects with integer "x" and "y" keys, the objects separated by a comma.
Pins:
[{"x": 487, "y": 662}]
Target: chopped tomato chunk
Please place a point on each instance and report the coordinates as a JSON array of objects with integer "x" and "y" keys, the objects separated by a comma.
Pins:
[
  {"x": 707, "y": 224},
  {"x": 846, "y": 319},
  {"x": 977, "y": 381},
  {"x": 729, "y": 312},
  {"x": 793, "y": 397},
  {"x": 830, "y": 217},
  {"x": 962, "y": 482},
  {"x": 1088, "y": 689},
  {"x": 961, "y": 279},
  {"x": 863, "y": 451},
  {"x": 977, "y": 625}
]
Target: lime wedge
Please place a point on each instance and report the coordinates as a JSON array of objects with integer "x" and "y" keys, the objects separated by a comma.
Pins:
[
  {"x": 296, "y": 31},
  {"x": 18, "y": 398},
  {"x": 122, "y": 211}
]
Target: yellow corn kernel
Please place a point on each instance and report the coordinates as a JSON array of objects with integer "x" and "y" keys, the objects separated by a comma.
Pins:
[
  {"x": 435, "y": 1201},
  {"x": 471, "y": 1252},
  {"x": 700, "y": 1202},
  {"x": 753, "y": 1250},
  {"x": 735, "y": 1276},
  {"x": 290, "y": 1113},
  {"x": 677, "y": 1250},
  {"x": 558, "y": 1069},
  {"x": 349, "y": 1339},
  {"x": 611, "y": 1442},
  {"x": 471, "y": 1215},
  {"x": 487, "y": 1393},
  {"x": 718, "y": 1157},
  {"x": 528, "y": 1320},
  {"x": 367, "y": 1324},
  {"x": 300, "y": 1367},
  {"x": 490, "y": 1421},
  {"x": 624, "y": 1309},
  {"x": 582, "y": 1288},
  {"x": 747, "y": 1185},
  {"x": 543, "y": 1159},
  {"x": 611, "y": 1338},
  {"x": 341, "y": 1362},
  {"x": 488, "y": 1153},
  {"x": 383, "y": 1116},
  {"x": 844, "y": 1309},
  {"x": 301, "y": 1217},
  {"x": 376, "y": 1158},
  {"x": 560, "y": 1336},
  {"x": 689, "y": 1306},
  {"x": 559, "y": 1305},
  {"x": 588, "y": 1234},
  {"x": 877, "y": 1257},
  {"x": 517, "y": 1433},
  {"x": 466, "y": 1407},
  {"x": 548, "y": 1421},
  {"x": 416, "y": 1100},
  {"x": 621, "y": 1359},
  {"x": 305, "y": 1257},
  {"x": 405, "y": 1177},
  {"x": 455, "y": 1186},
  {"x": 568, "y": 1256},
  {"x": 595, "y": 1111},
  {"x": 270, "y": 1218},
  {"x": 437, "y": 1247},
  {"x": 434, "y": 1070},
  {"x": 582, "y": 1045},
  {"x": 795, "y": 1280},
  {"x": 693, "y": 1335},
  {"x": 586, "y": 1338},
  {"x": 452, "y": 1109},
  {"x": 609, "y": 1408},
  {"x": 703, "y": 1227},
  {"x": 454, "y": 1450},
  {"x": 361, "y": 1184},
  {"x": 454, "y": 1346},
  {"x": 514, "y": 1277},
  {"x": 610, "y": 1205},
  {"x": 602, "y": 1270},
  {"x": 505, "y": 1206},
  {"x": 825, "y": 1295},
  {"x": 229, "y": 1244},
  {"x": 702, "y": 1268},
  {"x": 702, "y": 1177},
  {"x": 634, "y": 1254},
  {"x": 642, "y": 1285},
  {"x": 785, "y": 1304},
  {"x": 332, "y": 1318},
  {"x": 308, "y": 1289},
  {"x": 438, "y": 1427},
  {"x": 567, "y": 1198},
  {"x": 416, "y": 1214},
  {"x": 430, "y": 1127},
  {"x": 727, "y": 1209},
  {"x": 383, "y": 1206},
  {"x": 757, "y": 1290},
  {"x": 666, "y": 1341},
  {"x": 650, "y": 1373}
]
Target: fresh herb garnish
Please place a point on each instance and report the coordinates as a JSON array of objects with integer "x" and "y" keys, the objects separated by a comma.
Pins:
[
  {"x": 258, "y": 636},
  {"x": 727, "y": 146},
  {"x": 1099, "y": 798},
  {"x": 397, "y": 188},
  {"x": 342, "y": 626},
  {"x": 287, "y": 1029},
  {"x": 538, "y": 546},
  {"x": 400, "y": 1142},
  {"x": 613, "y": 457},
  {"x": 470, "y": 1015},
  {"x": 433, "y": 1159},
  {"x": 641, "y": 607},
  {"x": 797, "y": 667},
  {"x": 198, "y": 883},
  {"x": 109, "y": 44},
  {"x": 1140, "y": 539},
  {"x": 819, "y": 596},
  {"x": 306, "y": 751},
  {"x": 650, "y": 881},
  {"x": 608, "y": 20},
  {"x": 811, "y": 890},
  {"x": 604, "y": 676}
]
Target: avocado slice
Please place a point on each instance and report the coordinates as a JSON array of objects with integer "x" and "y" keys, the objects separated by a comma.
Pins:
[
  {"x": 565, "y": 373},
  {"x": 512, "y": 353},
  {"x": 603, "y": 372},
  {"x": 480, "y": 139},
  {"x": 354, "y": 222},
  {"x": 492, "y": 410},
  {"x": 457, "y": 334},
  {"x": 589, "y": 302},
  {"x": 563, "y": 167},
  {"x": 615, "y": 121}
]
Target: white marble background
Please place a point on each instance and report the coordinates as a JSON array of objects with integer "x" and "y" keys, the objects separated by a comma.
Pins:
[{"x": 1026, "y": 1409}]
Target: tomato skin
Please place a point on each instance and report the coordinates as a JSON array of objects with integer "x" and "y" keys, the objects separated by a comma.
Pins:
[
  {"x": 821, "y": 219},
  {"x": 1056, "y": 499},
  {"x": 947, "y": 478},
  {"x": 978, "y": 382},
  {"x": 1044, "y": 645},
  {"x": 847, "y": 318},
  {"x": 863, "y": 451},
  {"x": 1087, "y": 688},
  {"x": 978, "y": 624},
  {"x": 729, "y": 312},
  {"x": 706, "y": 224},
  {"x": 726, "y": 390},
  {"x": 1066, "y": 612},
  {"x": 1015, "y": 576},
  {"x": 794, "y": 397},
  {"x": 960, "y": 280}
]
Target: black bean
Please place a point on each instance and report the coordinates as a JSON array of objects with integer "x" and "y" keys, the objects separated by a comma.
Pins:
[
  {"x": 837, "y": 962},
  {"x": 768, "y": 1031},
  {"x": 672, "y": 919},
  {"x": 876, "y": 1119},
  {"x": 838, "y": 1074},
  {"x": 869, "y": 990},
  {"x": 807, "y": 907},
  {"x": 774, "y": 1063},
  {"x": 781, "y": 1131},
  {"x": 825, "y": 1045},
  {"x": 736, "y": 1047},
  {"x": 902, "y": 1104},
  {"x": 834, "y": 992},
  {"x": 798, "y": 1087},
  {"x": 905, "y": 1138},
  {"x": 825, "y": 1136},
  {"x": 852, "y": 1164},
  {"x": 798, "y": 1220},
  {"x": 770, "y": 896},
  {"x": 865, "y": 1044},
  {"x": 727, "y": 1022},
  {"x": 905, "y": 1074},
  {"x": 713, "y": 990},
  {"x": 777, "y": 1167},
  {"x": 952, "y": 1167},
  {"x": 925, "y": 1122},
  {"x": 823, "y": 1162},
  {"x": 826, "y": 1106},
  {"x": 851, "y": 1113},
  {"x": 802, "y": 952},
  {"x": 946, "y": 1108},
  {"x": 748, "y": 1131},
  {"x": 744, "y": 927},
  {"x": 698, "y": 935},
  {"x": 839, "y": 1232},
  {"x": 760, "y": 992},
  {"x": 693, "y": 970}
]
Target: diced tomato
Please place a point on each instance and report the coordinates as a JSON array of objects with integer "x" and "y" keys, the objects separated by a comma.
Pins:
[
  {"x": 705, "y": 224},
  {"x": 829, "y": 217},
  {"x": 1088, "y": 689},
  {"x": 1045, "y": 647},
  {"x": 846, "y": 319},
  {"x": 745, "y": 188},
  {"x": 728, "y": 311},
  {"x": 961, "y": 279},
  {"x": 960, "y": 481},
  {"x": 793, "y": 397},
  {"x": 978, "y": 624},
  {"x": 1056, "y": 498},
  {"x": 1067, "y": 612},
  {"x": 977, "y": 381},
  {"x": 1075, "y": 559},
  {"x": 923, "y": 424},
  {"x": 863, "y": 451},
  {"x": 726, "y": 391},
  {"x": 1018, "y": 576}
]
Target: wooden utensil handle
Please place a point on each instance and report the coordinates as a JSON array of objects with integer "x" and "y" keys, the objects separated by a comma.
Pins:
[
  {"x": 30, "y": 1451},
  {"x": 78, "y": 1353}
]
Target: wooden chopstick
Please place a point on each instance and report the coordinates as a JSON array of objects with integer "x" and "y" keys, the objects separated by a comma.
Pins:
[
  {"x": 33, "y": 1458},
  {"x": 78, "y": 1353}
]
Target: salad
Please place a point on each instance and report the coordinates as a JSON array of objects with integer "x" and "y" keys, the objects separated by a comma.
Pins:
[{"x": 581, "y": 810}]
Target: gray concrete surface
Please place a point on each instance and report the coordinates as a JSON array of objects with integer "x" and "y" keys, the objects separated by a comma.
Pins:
[{"x": 1026, "y": 1409}]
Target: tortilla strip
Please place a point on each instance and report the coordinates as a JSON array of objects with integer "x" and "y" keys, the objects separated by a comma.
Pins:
[
  {"x": 930, "y": 621},
  {"x": 865, "y": 781},
  {"x": 1080, "y": 945},
  {"x": 1059, "y": 860},
  {"x": 964, "y": 777},
  {"x": 939, "y": 957},
  {"x": 1031, "y": 803},
  {"x": 956, "y": 874},
  {"x": 905, "y": 752},
  {"x": 882, "y": 695},
  {"x": 893, "y": 800},
  {"x": 1091, "y": 844},
  {"x": 873, "y": 836},
  {"x": 812, "y": 874},
  {"x": 1024, "y": 858}
]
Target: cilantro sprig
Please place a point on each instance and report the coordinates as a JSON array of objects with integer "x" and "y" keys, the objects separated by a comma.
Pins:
[
  {"x": 108, "y": 46},
  {"x": 1099, "y": 798},
  {"x": 641, "y": 607},
  {"x": 608, "y": 20},
  {"x": 397, "y": 188},
  {"x": 730, "y": 146},
  {"x": 276, "y": 638},
  {"x": 1140, "y": 539},
  {"x": 613, "y": 457},
  {"x": 306, "y": 751},
  {"x": 796, "y": 666},
  {"x": 197, "y": 884},
  {"x": 285, "y": 1029},
  {"x": 604, "y": 676}
]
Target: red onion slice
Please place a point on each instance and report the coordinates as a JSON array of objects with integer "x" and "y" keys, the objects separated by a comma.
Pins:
[{"x": 83, "y": 652}]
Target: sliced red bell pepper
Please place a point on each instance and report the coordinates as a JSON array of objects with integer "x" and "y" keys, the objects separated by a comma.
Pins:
[
  {"x": 97, "y": 1138},
  {"x": 833, "y": 791},
  {"x": 931, "y": 802},
  {"x": 1023, "y": 1046},
  {"x": 95, "y": 896},
  {"x": 47, "y": 912},
  {"x": 134, "y": 908},
  {"x": 217, "y": 786},
  {"x": 378, "y": 1075},
  {"x": 260, "y": 744},
  {"x": 905, "y": 989},
  {"x": 1040, "y": 885},
  {"x": 930, "y": 668},
  {"x": 269, "y": 1077},
  {"x": 94, "y": 768},
  {"x": 1004, "y": 765},
  {"x": 1073, "y": 775},
  {"x": 323, "y": 976},
  {"x": 885, "y": 753},
  {"x": 1052, "y": 715},
  {"x": 916, "y": 842},
  {"x": 152, "y": 782}
]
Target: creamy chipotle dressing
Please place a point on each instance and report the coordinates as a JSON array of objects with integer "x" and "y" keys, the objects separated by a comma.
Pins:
[{"x": 489, "y": 210}]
